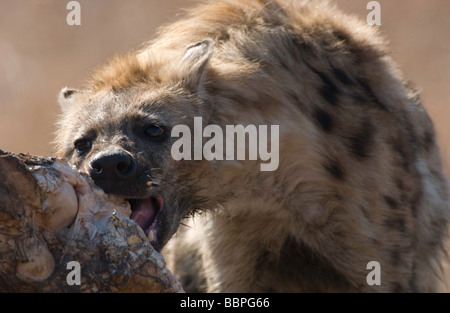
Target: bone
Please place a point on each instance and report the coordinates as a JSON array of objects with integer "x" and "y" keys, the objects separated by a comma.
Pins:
[{"x": 51, "y": 214}]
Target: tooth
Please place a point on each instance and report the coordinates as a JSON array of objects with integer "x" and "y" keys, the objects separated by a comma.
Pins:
[{"x": 151, "y": 236}]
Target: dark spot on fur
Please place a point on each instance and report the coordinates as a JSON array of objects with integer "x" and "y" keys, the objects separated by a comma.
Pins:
[
  {"x": 415, "y": 202},
  {"x": 397, "y": 288},
  {"x": 329, "y": 91},
  {"x": 323, "y": 119},
  {"x": 303, "y": 46},
  {"x": 370, "y": 96},
  {"x": 294, "y": 97},
  {"x": 366, "y": 213},
  {"x": 402, "y": 189},
  {"x": 395, "y": 257},
  {"x": 188, "y": 279},
  {"x": 410, "y": 194},
  {"x": 399, "y": 184},
  {"x": 262, "y": 261},
  {"x": 397, "y": 224},
  {"x": 334, "y": 167},
  {"x": 414, "y": 209},
  {"x": 412, "y": 285},
  {"x": 313, "y": 271},
  {"x": 360, "y": 142},
  {"x": 391, "y": 202},
  {"x": 428, "y": 141},
  {"x": 401, "y": 225},
  {"x": 438, "y": 225},
  {"x": 340, "y": 35},
  {"x": 400, "y": 150},
  {"x": 342, "y": 76},
  {"x": 286, "y": 67},
  {"x": 269, "y": 289},
  {"x": 223, "y": 36}
]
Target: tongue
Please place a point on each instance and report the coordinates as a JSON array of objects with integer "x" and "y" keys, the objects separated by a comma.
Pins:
[{"x": 143, "y": 213}]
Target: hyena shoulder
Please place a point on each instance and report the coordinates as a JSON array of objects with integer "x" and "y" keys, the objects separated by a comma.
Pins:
[{"x": 360, "y": 177}]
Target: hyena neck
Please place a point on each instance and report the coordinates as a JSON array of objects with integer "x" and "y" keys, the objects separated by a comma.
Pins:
[{"x": 277, "y": 254}]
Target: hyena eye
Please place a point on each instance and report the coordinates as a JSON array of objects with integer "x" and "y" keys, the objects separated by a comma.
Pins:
[
  {"x": 83, "y": 146},
  {"x": 155, "y": 132}
]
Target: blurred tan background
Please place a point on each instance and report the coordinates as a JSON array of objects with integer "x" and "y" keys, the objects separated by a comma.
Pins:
[{"x": 40, "y": 54}]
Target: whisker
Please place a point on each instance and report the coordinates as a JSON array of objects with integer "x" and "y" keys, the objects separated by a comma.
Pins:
[
  {"x": 150, "y": 183},
  {"x": 185, "y": 225}
]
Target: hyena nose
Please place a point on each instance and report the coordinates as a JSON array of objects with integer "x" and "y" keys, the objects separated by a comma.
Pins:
[{"x": 112, "y": 167}]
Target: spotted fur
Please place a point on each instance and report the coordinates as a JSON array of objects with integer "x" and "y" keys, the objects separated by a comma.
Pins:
[{"x": 360, "y": 177}]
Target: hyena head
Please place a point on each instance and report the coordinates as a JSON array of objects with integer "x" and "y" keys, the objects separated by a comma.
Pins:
[{"x": 118, "y": 130}]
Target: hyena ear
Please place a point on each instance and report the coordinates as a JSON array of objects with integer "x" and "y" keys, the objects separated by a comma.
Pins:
[
  {"x": 194, "y": 63},
  {"x": 66, "y": 97}
]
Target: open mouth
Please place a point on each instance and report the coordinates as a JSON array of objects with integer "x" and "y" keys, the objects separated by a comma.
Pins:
[{"x": 146, "y": 212}]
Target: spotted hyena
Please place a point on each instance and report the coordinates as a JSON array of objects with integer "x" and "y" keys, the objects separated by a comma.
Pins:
[{"x": 359, "y": 176}]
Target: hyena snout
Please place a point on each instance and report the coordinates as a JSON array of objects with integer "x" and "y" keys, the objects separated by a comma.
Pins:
[{"x": 114, "y": 166}]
